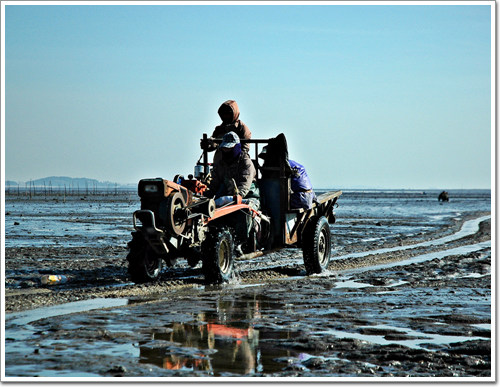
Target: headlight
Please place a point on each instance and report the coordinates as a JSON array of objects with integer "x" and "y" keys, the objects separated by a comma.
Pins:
[{"x": 151, "y": 188}]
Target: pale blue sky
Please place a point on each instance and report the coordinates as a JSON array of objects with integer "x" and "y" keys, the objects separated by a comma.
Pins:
[{"x": 382, "y": 96}]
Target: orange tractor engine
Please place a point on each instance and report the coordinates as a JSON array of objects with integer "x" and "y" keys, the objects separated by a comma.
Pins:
[
  {"x": 170, "y": 210},
  {"x": 191, "y": 183}
]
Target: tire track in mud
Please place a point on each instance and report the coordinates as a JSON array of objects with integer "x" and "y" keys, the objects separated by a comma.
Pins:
[{"x": 471, "y": 237}]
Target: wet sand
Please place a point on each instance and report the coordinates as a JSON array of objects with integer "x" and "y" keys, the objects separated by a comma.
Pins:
[{"x": 359, "y": 319}]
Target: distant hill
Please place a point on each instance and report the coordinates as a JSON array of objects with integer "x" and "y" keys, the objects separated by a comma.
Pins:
[{"x": 64, "y": 181}]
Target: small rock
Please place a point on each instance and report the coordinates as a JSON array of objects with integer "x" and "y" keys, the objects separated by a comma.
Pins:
[
  {"x": 119, "y": 369},
  {"x": 27, "y": 284},
  {"x": 379, "y": 282},
  {"x": 295, "y": 367},
  {"x": 313, "y": 362}
]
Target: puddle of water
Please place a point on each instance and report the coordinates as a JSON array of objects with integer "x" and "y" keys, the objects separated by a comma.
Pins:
[
  {"x": 475, "y": 275},
  {"x": 212, "y": 347},
  {"x": 26, "y": 317},
  {"x": 482, "y": 326},
  {"x": 351, "y": 284},
  {"x": 397, "y": 283},
  {"x": 235, "y": 331},
  {"x": 68, "y": 374},
  {"x": 18, "y": 328},
  {"x": 346, "y": 283},
  {"x": 420, "y": 341},
  {"x": 239, "y": 339},
  {"x": 222, "y": 340}
]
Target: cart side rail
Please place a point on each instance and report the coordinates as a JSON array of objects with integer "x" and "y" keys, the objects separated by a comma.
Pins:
[
  {"x": 328, "y": 196},
  {"x": 297, "y": 219},
  {"x": 321, "y": 199}
]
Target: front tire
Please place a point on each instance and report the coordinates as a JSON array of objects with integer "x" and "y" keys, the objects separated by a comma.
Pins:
[
  {"x": 218, "y": 261},
  {"x": 143, "y": 264},
  {"x": 317, "y": 245}
]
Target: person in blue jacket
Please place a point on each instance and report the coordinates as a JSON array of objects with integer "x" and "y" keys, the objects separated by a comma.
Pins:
[{"x": 302, "y": 195}]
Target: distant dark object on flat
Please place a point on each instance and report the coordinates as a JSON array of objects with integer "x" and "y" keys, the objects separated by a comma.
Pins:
[{"x": 444, "y": 197}]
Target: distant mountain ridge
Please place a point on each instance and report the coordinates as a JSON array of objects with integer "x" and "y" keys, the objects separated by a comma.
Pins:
[{"x": 65, "y": 181}]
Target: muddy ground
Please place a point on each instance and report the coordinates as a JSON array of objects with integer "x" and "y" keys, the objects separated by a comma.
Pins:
[
  {"x": 102, "y": 272},
  {"x": 446, "y": 297}
]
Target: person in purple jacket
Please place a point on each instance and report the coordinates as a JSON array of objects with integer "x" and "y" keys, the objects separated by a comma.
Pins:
[{"x": 302, "y": 195}]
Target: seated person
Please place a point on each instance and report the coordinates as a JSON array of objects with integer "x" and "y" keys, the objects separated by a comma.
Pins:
[
  {"x": 302, "y": 195},
  {"x": 233, "y": 174}
]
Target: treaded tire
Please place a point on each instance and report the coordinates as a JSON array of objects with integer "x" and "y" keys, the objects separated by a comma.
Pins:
[
  {"x": 218, "y": 261},
  {"x": 317, "y": 245},
  {"x": 143, "y": 264}
]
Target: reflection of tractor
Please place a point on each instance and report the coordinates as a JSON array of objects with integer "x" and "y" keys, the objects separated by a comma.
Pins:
[
  {"x": 176, "y": 220},
  {"x": 215, "y": 341}
]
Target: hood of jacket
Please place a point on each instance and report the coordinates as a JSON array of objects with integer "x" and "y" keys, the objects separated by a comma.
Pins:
[{"x": 229, "y": 112}]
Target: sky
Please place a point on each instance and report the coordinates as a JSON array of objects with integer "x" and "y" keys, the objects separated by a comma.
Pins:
[{"x": 395, "y": 96}]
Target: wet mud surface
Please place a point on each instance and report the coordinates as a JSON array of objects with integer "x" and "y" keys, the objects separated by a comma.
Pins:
[{"x": 416, "y": 311}]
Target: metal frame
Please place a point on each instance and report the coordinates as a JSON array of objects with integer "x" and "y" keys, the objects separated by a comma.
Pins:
[{"x": 294, "y": 236}]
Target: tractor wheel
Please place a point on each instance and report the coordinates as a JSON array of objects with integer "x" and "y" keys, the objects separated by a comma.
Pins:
[
  {"x": 218, "y": 259},
  {"x": 316, "y": 245},
  {"x": 174, "y": 203},
  {"x": 143, "y": 264}
]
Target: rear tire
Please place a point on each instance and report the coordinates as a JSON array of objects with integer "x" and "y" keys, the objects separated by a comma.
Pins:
[
  {"x": 143, "y": 264},
  {"x": 218, "y": 261},
  {"x": 317, "y": 245}
]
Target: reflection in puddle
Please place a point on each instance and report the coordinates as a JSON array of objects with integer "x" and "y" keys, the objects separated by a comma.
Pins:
[
  {"x": 223, "y": 342},
  {"x": 206, "y": 347}
]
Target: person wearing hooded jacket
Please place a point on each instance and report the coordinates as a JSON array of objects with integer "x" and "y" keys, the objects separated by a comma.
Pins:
[
  {"x": 302, "y": 194},
  {"x": 233, "y": 173},
  {"x": 229, "y": 113}
]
